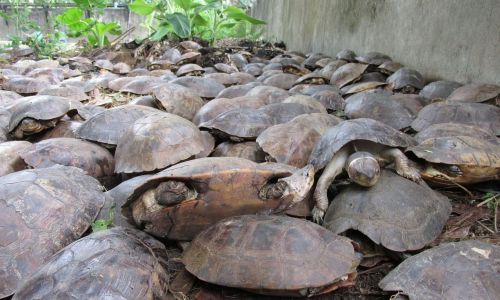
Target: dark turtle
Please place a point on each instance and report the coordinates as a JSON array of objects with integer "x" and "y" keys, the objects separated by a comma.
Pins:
[
  {"x": 175, "y": 138},
  {"x": 459, "y": 159},
  {"x": 352, "y": 145},
  {"x": 461, "y": 270},
  {"x": 380, "y": 107},
  {"x": 141, "y": 86},
  {"x": 389, "y": 67},
  {"x": 373, "y": 58},
  {"x": 115, "y": 84},
  {"x": 161, "y": 64},
  {"x": 306, "y": 101},
  {"x": 270, "y": 93},
  {"x": 406, "y": 80},
  {"x": 238, "y": 60},
  {"x": 219, "y": 106},
  {"x": 438, "y": 90},
  {"x": 42, "y": 211},
  {"x": 204, "y": 87},
  {"x": 108, "y": 126},
  {"x": 24, "y": 85},
  {"x": 373, "y": 76},
  {"x": 188, "y": 57},
  {"x": 270, "y": 250},
  {"x": 312, "y": 78},
  {"x": 281, "y": 80},
  {"x": 183, "y": 200},
  {"x": 346, "y": 54},
  {"x": 10, "y": 160},
  {"x": 248, "y": 150},
  {"x": 34, "y": 114},
  {"x": 247, "y": 124},
  {"x": 453, "y": 129},
  {"x": 8, "y": 98},
  {"x": 477, "y": 114},
  {"x": 292, "y": 142},
  {"x": 310, "y": 61},
  {"x": 347, "y": 73},
  {"x": 396, "y": 213},
  {"x": 70, "y": 92},
  {"x": 331, "y": 100},
  {"x": 177, "y": 99},
  {"x": 190, "y": 70},
  {"x": 131, "y": 265},
  {"x": 95, "y": 160},
  {"x": 476, "y": 93}
]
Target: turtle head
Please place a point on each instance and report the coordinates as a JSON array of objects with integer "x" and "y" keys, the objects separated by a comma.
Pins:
[{"x": 363, "y": 168}]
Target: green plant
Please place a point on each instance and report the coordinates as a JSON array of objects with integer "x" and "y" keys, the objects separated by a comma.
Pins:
[
  {"x": 45, "y": 45},
  {"x": 95, "y": 31},
  {"x": 103, "y": 224},
  {"x": 209, "y": 19}
]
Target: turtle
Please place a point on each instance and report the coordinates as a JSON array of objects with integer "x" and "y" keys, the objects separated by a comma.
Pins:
[
  {"x": 42, "y": 210},
  {"x": 380, "y": 107},
  {"x": 115, "y": 84},
  {"x": 406, "y": 81},
  {"x": 478, "y": 114},
  {"x": 270, "y": 93},
  {"x": 161, "y": 64},
  {"x": 352, "y": 145},
  {"x": 156, "y": 141},
  {"x": 104, "y": 64},
  {"x": 190, "y": 70},
  {"x": 389, "y": 67},
  {"x": 311, "y": 89},
  {"x": 373, "y": 76},
  {"x": 295, "y": 69},
  {"x": 48, "y": 75},
  {"x": 460, "y": 270},
  {"x": 459, "y": 159},
  {"x": 208, "y": 144},
  {"x": 248, "y": 150},
  {"x": 346, "y": 54},
  {"x": 373, "y": 58},
  {"x": 225, "y": 68},
  {"x": 222, "y": 78},
  {"x": 312, "y": 78},
  {"x": 347, "y": 73},
  {"x": 396, "y": 213},
  {"x": 171, "y": 54},
  {"x": 146, "y": 100},
  {"x": 188, "y": 57},
  {"x": 476, "y": 93},
  {"x": 272, "y": 67},
  {"x": 328, "y": 70},
  {"x": 108, "y": 126},
  {"x": 292, "y": 142},
  {"x": 359, "y": 87},
  {"x": 310, "y": 61},
  {"x": 306, "y": 101},
  {"x": 206, "y": 88},
  {"x": 218, "y": 106},
  {"x": 8, "y": 98},
  {"x": 438, "y": 90},
  {"x": 10, "y": 160},
  {"x": 139, "y": 72},
  {"x": 324, "y": 61},
  {"x": 141, "y": 86},
  {"x": 83, "y": 64},
  {"x": 412, "y": 102},
  {"x": 331, "y": 100},
  {"x": 131, "y": 265},
  {"x": 24, "y": 85},
  {"x": 183, "y": 200},
  {"x": 242, "y": 78},
  {"x": 281, "y": 80},
  {"x": 64, "y": 128},
  {"x": 262, "y": 254},
  {"x": 246, "y": 123},
  {"x": 177, "y": 99},
  {"x": 121, "y": 68},
  {"x": 4, "y": 124},
  {"x": 85, "y": 112},
  {"x": 95, "y": 160},
  {"x": 237, "y": 60},
  {"x": 70, "y": 92},
  {"x": 453, "y": 129},
  {"x": 254, "y": 69},
  {"x": 34, "y": 114}
]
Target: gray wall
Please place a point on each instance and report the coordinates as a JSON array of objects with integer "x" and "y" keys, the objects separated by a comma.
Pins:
[{"x": 443, "y": 39}]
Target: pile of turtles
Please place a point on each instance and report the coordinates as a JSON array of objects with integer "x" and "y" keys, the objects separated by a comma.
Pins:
[{"x": 256, "y": 171}]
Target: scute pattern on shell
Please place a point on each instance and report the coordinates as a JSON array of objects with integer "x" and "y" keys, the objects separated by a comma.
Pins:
[{"x": 38, "y": 108}]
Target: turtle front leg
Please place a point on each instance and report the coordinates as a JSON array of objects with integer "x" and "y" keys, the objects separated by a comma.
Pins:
[
  {"x": 332, "y": 170},
  {"x": 401, "y": 164}
]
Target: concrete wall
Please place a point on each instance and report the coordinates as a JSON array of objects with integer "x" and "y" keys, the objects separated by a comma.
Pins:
[{"x": 443, "y": 39}]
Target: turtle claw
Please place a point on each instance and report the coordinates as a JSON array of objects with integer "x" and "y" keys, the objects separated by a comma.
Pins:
[
  {"x": 318, "y": 214},
  {"x": 412, "y": 174}
]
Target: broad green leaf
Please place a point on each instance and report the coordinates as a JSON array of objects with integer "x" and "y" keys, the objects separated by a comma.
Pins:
[
  {"x": 228, "y": 25},
  {"x": 180, "y": 24},
  {"x": 199, "y": 21},
  {"x": 161, "y": 32},
  {"x": 206, "y": 7},
  {"x": 238, "y": 14},
  {"x": 91, "y": 3},
  {"x": 142, "y": 8},
  {"x": 70, "y": 16},
  {"x": 184, "y": 4}
]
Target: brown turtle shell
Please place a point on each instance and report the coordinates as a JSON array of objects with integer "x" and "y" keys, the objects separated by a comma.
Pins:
[
  {"x": 254, "y": 69},
  {"x": 86, "y": 85},
  {"x": 121, "y": 68},
  {"x": 271, "y": 93},
  {"x": 95, "y": 160},
  {"x": 4, "y": 124},
  {"x": 225, "y": 68},
  {"x": 218, "y": 106},
  {"x": 188, "y": 57},
  {"x": 141, "y": 86},
  {"x": 10, "y": 160},
  {"x": 237, "y": 90},
  {"x": 359, "y": 87},
  {"x": 331, "y": 100},
  {"x": 412, "y": 102},
  {"x": 307, "y": 101},
  {"x": 263, "y": 253},
  {"x": 346, "y": 54},
  {"x": 373, "y": 58},
  {"x": 24, "y": 85},
  {"x": 478, "y": 114},
  {"x": 116, "y": 84},
  {"x": 131, "y": 265},
  {"x": 225, "y": 186},
  {"x": 347, "y": 73},
  {"x": 380, "y": 107},
  {"x": 178, "y": 100},
  {"x": 108, "y": 126},
  {"x": 104, "y": 64},
  {"x": 406, "y": 78},
  {"x": 247, "y": 150},
  {"x": 73, "y": 93},
  {"x": 64, "y": 128},
  {"x": 8, "y": 98},
  {"x": 331, "y": 67},
  {"x": 295, "y": 69},
  {"x": 146, "y": 100},
  {"x": 42, "y": 211},
  {"x": 461, "y": 270},
  {"x": 453, "y": 129},
  {"x": 247, "y": 123},
  {"x": 203, "y": 87},
  {"x": 38, "y": 108},
  {"x": 438, "y": 90},
  {"x": 396, "y": 213},
  {"x": 389, "y": 67},
  {"x": 49, "y": 75},
  {"x": 358, "y": 129},
  {"x": 189, "y": 68},
  {"x": 157, "y": 141},
  {"x": 292, "y": 142},
  {"x": 476, "y": 93},
  {"x": 208, "y": 143},
  {"x": 312, "y": 78},
  {"x": 222, "y": 78},
  {"x": 281, "y": 80}
]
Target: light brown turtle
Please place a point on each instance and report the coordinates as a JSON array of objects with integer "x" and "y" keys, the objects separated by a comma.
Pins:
[
  {"x": 24, "y": 85},
  {"x": 225, "y": 68},
  {"x": 330, "y": 68},
  {"x": 262, "y": 254},
  {"x": 453, "y": 129},
  {"x": 331, "y": 100},
  {"x": 218, "y": 106},
  {"x": 70, "y": 92},
  {"x": 295, "y": 69},
  {"x": 312, "y": 78},
  {"x": 121, "y": 68},
  {"x": 247, "y": 150},
  {"x": 141, "y": 86},
  {"x": 8, "y": 98},
  {"x": 64, "y": 128},
  {"x": 177, "y": 99},
  {"x": 281, "y": 80},
  {"x": 307, "y": 101},
  {"x": 438, "y": 90},
  {"x": 204, "y": 87},
  {"x": 489, "y": 93},
  {"x": 347, "y": 73},
  {"x": 190, "y": 70},
  {"x": 222, "y": 78},
  {"x": 4, "y": 124},
  {"x": 373, "y": 58},
  {"x": 359, "y": 87},
  {"x": 346, "y": 54},
  {"x": 104, "y": 64},
  {"x": 270, "y": 93},
  {"x": 188, "y": 57},
  {"x": 389, "y": 67}
]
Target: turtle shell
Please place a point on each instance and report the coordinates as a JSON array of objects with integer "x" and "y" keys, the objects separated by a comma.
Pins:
[
  {"x": 373, "y": 58},
  {"x": 24, "y": 85},
  {"x": 4, "y": 124},
  {"x": 225, "y": 68},
  {"x": 73, "y": 93},
  {"x": 175, "y": 138},
  {"x": 380, "y": 107},
  {"x": 453, "y": 129},
  {"x": 478, "y": 114},
  {"x": 116, "y": 84},
  {"x": 359, "y": 87},
  {"x": 95, "y": 160},
  {"x": 10, "y": 160},
  {"x": 263, "y": 253},
  {"x": 208, "y": 144},
  {"x": 331, "y": 100},
  {"x": 225, "y": 187},
  {"x": 222, "y": 78},
  {"x": 237, "y": 90},
  {"x": 307, "y": 101},
  {"x": 38, "y": 108},
  {"x": 254, "y": 69},
  {"x": 7, "y": 98},
  {"x": 358, "y": 129},
  {"x": 311, "y": 60},
  {"x": 312, "y": 78},
  {"x": 270, "y": 93},
  {"x": 323, "y": 62},
  {"x": 121, "y": 68},
  {"x": 295, "y": 69},
  {"x": 189, "y": 68},
  {"x": 178, "y": 100},
  {"x": 331, "y": 67},
  {"x": 461, "y": 270},
  {"x": 108, "y": 126},
  {"x": 476, "y": 93},
  {"x": 438, "y": 90},
  {"x": 144, "y": 101},
  {"x": 248, "y": 123},
  {"x": 188, "y": 57},
  {"x": 406, "y": 79},
  {"x": 396, "y": 213},
  {"x": 412, "y": 102},
  {"x": 347, "y": 73},
  {"x": 104, "y": 64},
  {"x": 218, "y": 106},
  {"x": 311, "y": 89},
  {"x": 42, "y": 211},
  {"x": 247, "y": 150},
  {"x": 141, "y": 86},
  {"x": 131, "y": 265},
  {"x": 203, "y": 87},
  {"x": 49, "y": 75},
  {"x": 389, "y": 67},
  {"x": 64, "y": 128},
  {"x": 281, "y": 80},
  {"x": 242, "y": 78},
  {"x": 346, "y": 54},
  {"x": 292, "y": 142}
]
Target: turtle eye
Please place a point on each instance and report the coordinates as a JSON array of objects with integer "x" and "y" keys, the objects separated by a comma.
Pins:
[{"x": 454, "y": 170}]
